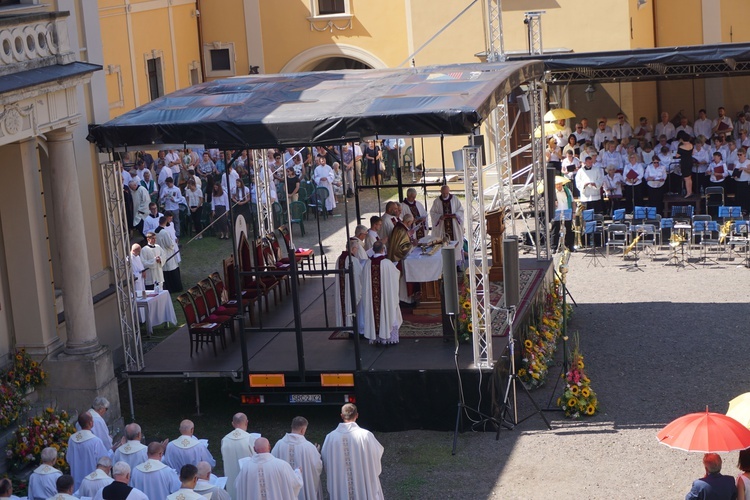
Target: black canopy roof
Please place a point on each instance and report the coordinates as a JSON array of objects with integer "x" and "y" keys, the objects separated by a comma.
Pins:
[
  {"x": 663, "y": 63},
  {"x": 320, "y": 107}
]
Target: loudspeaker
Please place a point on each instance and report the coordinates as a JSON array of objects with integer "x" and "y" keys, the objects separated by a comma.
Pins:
[
  {"x": 550, "y": 190},
  {"x": 523, "y": 103},
  {"x": 450, "y": 281},
  {"x": 478, "y": 140},
  {"x": 511, "y": 272}
]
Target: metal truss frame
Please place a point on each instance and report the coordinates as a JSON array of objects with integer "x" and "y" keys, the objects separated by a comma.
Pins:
[
  {"x": 648, "y": 72},
  {"x": 119, "y": 251},
  {"x": 495, "y": 44},
  {"x": 539, "y": 201},
  {"x": 479, "y": 281},
  {"x": 263, "y": 184},
  {"x": 533, "y": 21}
]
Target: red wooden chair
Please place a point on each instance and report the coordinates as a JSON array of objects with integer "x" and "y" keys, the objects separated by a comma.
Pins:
[
  {"x": 205, "y": 316},
  {"x": 248, "y": 297},
  {"x": 303, "y": 257},
  {"x": 199, "y": 333},
  {"x": 212, "y": 301},
  {"x": 270, "y": 259},
  {"x": 269, "y": 281}
]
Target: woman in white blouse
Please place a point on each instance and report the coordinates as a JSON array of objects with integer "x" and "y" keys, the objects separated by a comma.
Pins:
[
  {"x": 632, "y": 176},
  {"x": 613, "y": 188}
]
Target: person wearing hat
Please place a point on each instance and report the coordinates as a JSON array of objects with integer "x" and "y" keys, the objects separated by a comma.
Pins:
[
  {"x": 563, "y": 201},
  {"x": 655, "y": 175},
  {"x": 171, "y": 198}
]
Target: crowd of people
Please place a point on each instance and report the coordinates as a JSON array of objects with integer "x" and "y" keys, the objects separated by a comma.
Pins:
[
  {"x": 376, "y": 256},
  {"x": 623, "y": 165},
  {"x": 181, "y": 469}
]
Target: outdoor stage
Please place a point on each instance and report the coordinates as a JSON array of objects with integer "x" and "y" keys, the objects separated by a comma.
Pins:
[{"x": 411, "y": 385}]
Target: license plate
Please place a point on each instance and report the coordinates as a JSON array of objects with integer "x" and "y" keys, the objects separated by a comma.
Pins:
[{"x": 305, "y": 398}]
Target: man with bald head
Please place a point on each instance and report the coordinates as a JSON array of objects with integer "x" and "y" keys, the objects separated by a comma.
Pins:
[
  {"x": 447, "y": 216},
  {"x": 97, "y": 480},
  {"x": 153, "y": 477},
  {"x": 204, "y": 486},
  {"x": 411, "y": 205},
  {"x": 279, "y": 481},
  {"x": 119, "y": 489},
  {"x": 235, "y": 446},
  {"x": 98, "y": 411},
  {"x": 133, "y": 452},
  {"x": 84, "y": 449},
  {"x": 187, "y": 449},
  {"x": 390, "y": 218}
]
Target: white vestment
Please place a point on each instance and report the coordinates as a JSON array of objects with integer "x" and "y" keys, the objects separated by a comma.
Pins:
[
  {"x": 370, "y": 239},
  {"x": 62, "y": 496},
  {"x": 92, "y": 483},
  {"x": 43, "y": 482},
  {"x": 84, "y": 450},
  {"x": 137, "y": 267},
  {"x": 141, "y": 199},
  {"x": 419, "y": 217},
  {"x": 186, "y": 494},
  {"x": 344, "y": 317},
  {"x": 133, "y": 453},
  {"x": 235, "y": 446},
  {"x": 323, "y": 177},
  {"x": 178, "y": 257},
  {"x": 155, "y": 479},
  {"x": 100, "y": 429},
  {"x": 389, "y": 222},
  {"x": 205, "y": 488},
  {"x": 187, "y": 450},
  {"x": 351, "y": 456},
  {"x": 389, "y": 317},
  {"x": 135, "y": 494},
  {"x": 165, "y": 239},
  {"x": 265, "y": 477},
  {"x": 154, "y": 270},
  {"x": 457, "y": 222},
  {"x": 301, "y": 454},
  {"x": 150, "y": 223}
]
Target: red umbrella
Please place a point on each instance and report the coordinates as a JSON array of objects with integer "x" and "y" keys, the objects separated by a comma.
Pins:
[{"x": 706, "y": 433}]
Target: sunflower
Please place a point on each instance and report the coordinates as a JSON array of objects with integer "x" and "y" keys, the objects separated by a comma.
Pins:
[
  {"x": 572, "y": 402},
  {"x": 559, "y": 401},
  {"x": 467, "y": 305},
  {"x": 60, "y": 462},
  {"x": 528, "y": 344},
  {"x": 585, "y": 392},
  {"x": 590, "y": 410},
  {"x": 580, "y": 365},
  {"x": 574, "y": 390},
  {"x": 522, "y": 372},
  {"x": 470, "y": 328}
]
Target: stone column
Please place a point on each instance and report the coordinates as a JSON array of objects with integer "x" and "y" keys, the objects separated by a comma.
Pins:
[{"x": 71, "y": 235}]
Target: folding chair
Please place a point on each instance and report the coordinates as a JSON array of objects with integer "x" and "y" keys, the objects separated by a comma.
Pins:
[
  {"x": 666, "y": 226},
  {"x": 699, "y": 228},
  {"x": 648, "y": 239},
  {"x": 714, "y": 198},
  {"x": 709, "y": 233},
  {"x": 739, "y": 239},
  {"x": 617, "y": 237}
]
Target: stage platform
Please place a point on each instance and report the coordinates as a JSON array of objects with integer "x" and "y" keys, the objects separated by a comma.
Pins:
[{"x": 418, "y": 371}]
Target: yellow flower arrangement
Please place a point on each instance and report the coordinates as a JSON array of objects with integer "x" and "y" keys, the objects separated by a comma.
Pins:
[
  {"x": 574, "y": 390},
  {"x": 590, "y": 410},
  {"x": 572, "y": 402},
  {"x": 467, "y": 305},
  {"x": 528, "y": 344},
  {"x": 470, "y": 327},
  {"x": 585, "y": 392}
]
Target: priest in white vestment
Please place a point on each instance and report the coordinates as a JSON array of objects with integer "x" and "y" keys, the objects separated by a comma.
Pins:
[
  {"x": 64, "y": 486},
  {"x": 373, "y": 234},
  {"x": 411, "y": 205},
  {"x": 84, "y": 449},
  {"x": 342, "y": 295},
  {"x": 351, "y": 457},
  {"x": 447, "y": 216},
  {"x": 205, "y": 487},
  {"x": 133, "y": 452},
  {"x": 391, "y": 217},
  {"x": 188, "y": 480},
  {"x": 235, "y": 446},
  {"x": 153, "y": 477},
  {"x": 380, "y": 298},
  {"x": 97, "y": 480},
  {"x": 139, "y": 272},
  {"x": 151, "y": 222},
  {"x": 42, "y": 479},
  {"x": 301, "y": 454},
  {"x": 153, "y": 257},
  {"x": 99, "y": 408},
  {"x": 279, "y": 481},
  {"x": 323, "y": 177},
  {"x": 120, "y": 488},
  {"x": 187, "y": 449},
  {"x": 170, "y": 266}
]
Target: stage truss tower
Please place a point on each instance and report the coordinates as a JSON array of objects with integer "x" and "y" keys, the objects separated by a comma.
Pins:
[{"x": 119, "y": 251}]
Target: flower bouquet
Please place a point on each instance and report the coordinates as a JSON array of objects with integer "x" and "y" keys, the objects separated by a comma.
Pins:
[
  {"x": 50, "y": 429},
  {"x": 465, "y": 327},
  {"x": 25, "y": 373},
  {"x": 540, "y": 340},
  {"x": 578, "y": 398},
  {"x": 11, "y": 405}
]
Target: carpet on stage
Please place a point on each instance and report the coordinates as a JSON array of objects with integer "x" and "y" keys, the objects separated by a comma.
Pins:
[{"x": 431, "y": 326}]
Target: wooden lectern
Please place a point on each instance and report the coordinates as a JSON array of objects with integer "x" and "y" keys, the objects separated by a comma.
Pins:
[{"x": 495, "y": 229}]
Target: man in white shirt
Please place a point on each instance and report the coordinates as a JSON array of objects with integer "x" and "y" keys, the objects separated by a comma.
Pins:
[
  {"x": 603, "y": 134},
  {"x": 351, "y": 456},
  {"x": 187, "y": 449},
  {"x": 622, "y": 129},
  {"x": 84, "y": 449},
  {"x": 741, "y": 124},
  {"x": 722, "y": 124},
  {"x": 155, "y": 478},
  {"x": 301, "y": 454},
  {"x": 151, "y": 221},
  {"x": 97, "y": 480},
  {"x": 702, "y": 126},
  {"x": 119, "y": 487},
  {"x": 205, "y": 488},
  {"x": 42, "y": 480},
  {"x": 581, "y": 135},
  {"x": 171, "y": 198},
  {"x": 685, "y": 127},
  {"x": 665, "y": 127},
  {"x": 133, "y": 452},
  {"x": 265, "y": 477},
  {"x": 589, "y": 181},
  {"x": 235, "y": 446},
  {"x": 644, "y": 130}
]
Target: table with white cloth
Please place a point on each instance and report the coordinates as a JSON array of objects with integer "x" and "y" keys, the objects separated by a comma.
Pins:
[
  {"x": 155, "y": 309},
  {"x": 426, "y": 269}
]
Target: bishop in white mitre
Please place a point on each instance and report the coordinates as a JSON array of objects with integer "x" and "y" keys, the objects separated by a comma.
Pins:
[
  {"x": 342, "y": 295},
  {"x": 235, "y": 446},
  {"x": 84, "y": 449},
  {"x": 42, "y": 481},
  {"x": 97, "y": 480},
  {"x": 187, "y": 449},
  {"x": 99, "y": 408},
  {"x": 447, "y": 216},
  {"x": 301, "y": 454},
  {"x": 133, "y": 452},
  {"x": 153, "y": 477},
  {"x": 265, "y": 477},
  {"x": 380, "y": 298}
]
